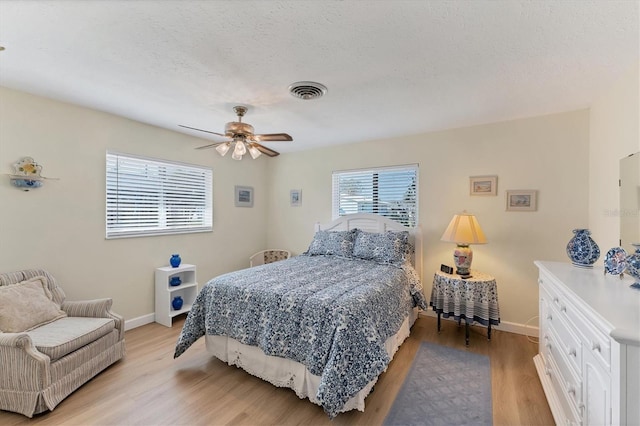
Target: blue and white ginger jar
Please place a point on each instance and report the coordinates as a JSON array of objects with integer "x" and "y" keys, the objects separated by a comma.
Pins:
[
  {"x": 582, "y": 250},
  {"x": 633, "y": 263}
]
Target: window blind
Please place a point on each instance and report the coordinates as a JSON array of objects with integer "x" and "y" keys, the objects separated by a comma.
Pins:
[
  {"x": 151, "y": 197},
  {"x": 388, "y": 191}
]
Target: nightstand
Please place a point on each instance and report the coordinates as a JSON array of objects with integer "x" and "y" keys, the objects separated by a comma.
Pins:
[{"x": 471, "y": 299}]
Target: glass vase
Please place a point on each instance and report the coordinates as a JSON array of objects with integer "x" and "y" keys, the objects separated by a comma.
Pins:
[{"x": 175, "y": 260}]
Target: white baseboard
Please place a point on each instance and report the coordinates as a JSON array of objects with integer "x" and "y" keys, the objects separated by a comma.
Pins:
[
  {"x": 139, "y": 321},
  {"x": 510, "y": 327}
]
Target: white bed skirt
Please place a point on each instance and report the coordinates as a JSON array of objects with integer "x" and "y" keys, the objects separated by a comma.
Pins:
[{"x": 283, "y": 372}]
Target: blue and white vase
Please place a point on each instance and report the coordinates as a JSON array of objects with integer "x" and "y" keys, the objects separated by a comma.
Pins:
[
  {"x": 633, "y": 263},
  {"x": 582, "y": 250},
  {"x": 175, "y": 260},
  {"x": 177, "y": 303}
]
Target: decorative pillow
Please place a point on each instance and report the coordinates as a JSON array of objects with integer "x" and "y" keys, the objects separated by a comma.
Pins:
[
  {"x": 27, "y": 305},
  {"x": 390, "y": 247},
  {"x": 336, "y": 243}
]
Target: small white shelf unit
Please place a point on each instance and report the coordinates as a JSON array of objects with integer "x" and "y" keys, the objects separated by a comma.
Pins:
[{"x": 165, "y": 293}]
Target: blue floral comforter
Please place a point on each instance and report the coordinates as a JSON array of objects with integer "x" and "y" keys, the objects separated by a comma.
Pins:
[{"x": 331, "y": 314}]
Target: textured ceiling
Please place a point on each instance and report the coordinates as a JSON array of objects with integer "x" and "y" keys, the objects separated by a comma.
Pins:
[{"x": 392, "y": 67}]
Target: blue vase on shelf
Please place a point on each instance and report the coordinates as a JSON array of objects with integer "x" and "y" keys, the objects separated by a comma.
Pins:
[
  {"x": 177, "y": 303},
  {"x": 175, "y": 281},
  {"x": 175, "y": 260},
  {"x": 582, "y": 250}
]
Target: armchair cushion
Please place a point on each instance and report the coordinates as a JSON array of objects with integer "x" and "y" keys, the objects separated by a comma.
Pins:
[
  {"x": 27, "y": 305},
  {"x": 65, "y": 335}
]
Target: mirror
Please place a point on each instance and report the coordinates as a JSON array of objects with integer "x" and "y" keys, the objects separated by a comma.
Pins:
[{"x": 630, "y": 201}]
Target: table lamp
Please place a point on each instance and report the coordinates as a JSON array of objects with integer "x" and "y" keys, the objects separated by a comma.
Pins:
[{"x": 463, "y": 230}]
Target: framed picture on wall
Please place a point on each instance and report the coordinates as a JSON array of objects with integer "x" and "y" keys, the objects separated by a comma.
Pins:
[
  {"x": 243, "y": 196},
  {"x": 483, "y": 185},
  {"x": 522, "y": 200},
  {"x": 295, "y": 196}
]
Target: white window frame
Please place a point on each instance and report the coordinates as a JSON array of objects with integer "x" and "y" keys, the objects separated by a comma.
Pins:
[
  {"x": 149, "y": 196},
  {"x": 339, "y": 209}
]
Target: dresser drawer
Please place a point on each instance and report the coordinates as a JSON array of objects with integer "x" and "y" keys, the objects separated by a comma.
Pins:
[
  {"x": 568, "y": 341},
  {"x": 567, "y": 319},
  {"x": 592, "y": 338},
  {"x": 570, "y": 413},
  {"x": 570, "y": 382}
]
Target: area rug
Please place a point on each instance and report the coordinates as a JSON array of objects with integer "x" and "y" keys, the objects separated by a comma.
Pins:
[{"x": 444, "y": 386}]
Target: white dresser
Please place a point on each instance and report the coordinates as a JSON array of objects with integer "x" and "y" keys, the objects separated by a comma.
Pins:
[{"x": 589, "y": 356}]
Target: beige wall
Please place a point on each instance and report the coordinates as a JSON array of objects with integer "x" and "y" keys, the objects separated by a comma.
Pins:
[
  {"x": 614, "y": 126},
  {"x": 60, "y": 226},
  {"x": 548, "y": 154},
  {"x": 571, "y": 159}
]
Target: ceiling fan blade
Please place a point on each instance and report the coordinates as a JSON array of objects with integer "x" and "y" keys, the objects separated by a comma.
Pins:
[
  {"x": 265, "y": 150},
  {"x": 272, "y": 137},
  {"x": 211, "y": 145},
  {"x": 206, "y": 131}
]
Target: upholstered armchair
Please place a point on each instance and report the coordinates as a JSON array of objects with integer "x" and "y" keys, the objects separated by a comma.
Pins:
[
  {"x": 268, "y": 256},
  {"x": 49, "y": 347}
]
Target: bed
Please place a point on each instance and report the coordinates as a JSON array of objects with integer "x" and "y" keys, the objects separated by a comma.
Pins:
[{"x": 325, "y": 323}]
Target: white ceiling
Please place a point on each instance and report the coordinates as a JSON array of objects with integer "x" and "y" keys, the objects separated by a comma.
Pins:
[{"x": 392, "y": 67}]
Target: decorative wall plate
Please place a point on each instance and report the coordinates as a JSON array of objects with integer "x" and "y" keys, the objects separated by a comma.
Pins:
[
  {"x": 27, "y": 174},
  {"x": 615, "y": 261}
]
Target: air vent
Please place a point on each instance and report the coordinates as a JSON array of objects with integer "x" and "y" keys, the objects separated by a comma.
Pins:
[{"x": 307, "y": 90}]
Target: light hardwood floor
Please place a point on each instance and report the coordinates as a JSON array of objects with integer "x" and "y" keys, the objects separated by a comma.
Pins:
[{"x": 149, "y": 387}]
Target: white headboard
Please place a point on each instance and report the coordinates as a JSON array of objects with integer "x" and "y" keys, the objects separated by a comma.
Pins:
[{"x": 375, "y": 223}]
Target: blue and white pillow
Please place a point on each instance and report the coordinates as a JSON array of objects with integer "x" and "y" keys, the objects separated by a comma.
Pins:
[
  {"x": 333, "y": 243},
  {"x": 391, "y": 247}
]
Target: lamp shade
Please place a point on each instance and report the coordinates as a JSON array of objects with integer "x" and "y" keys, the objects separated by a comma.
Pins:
[
  {"x": 223, "y": 148},
  {"x": 255, "y": 153},
  {"x": 464, "y": 229}
]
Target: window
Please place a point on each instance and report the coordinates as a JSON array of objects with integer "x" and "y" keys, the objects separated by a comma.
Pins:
[
  {"x": 388, "y": 191},
  {"x": 153, "y": 197}
]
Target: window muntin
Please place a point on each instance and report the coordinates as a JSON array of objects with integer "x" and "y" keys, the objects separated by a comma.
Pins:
[
  {"x": 391, "y": 192},
  {"x": 146, "y": 196}
]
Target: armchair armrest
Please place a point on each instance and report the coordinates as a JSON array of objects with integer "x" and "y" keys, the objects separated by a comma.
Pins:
[
  {"x": 97, "y": 308},
  {"x": 23, "y": 366}
]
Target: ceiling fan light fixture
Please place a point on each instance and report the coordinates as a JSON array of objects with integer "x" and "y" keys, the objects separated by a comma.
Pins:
[
  {"x": 307, "y": 90},
  {"x": 241, "y": 137},
  {"x": 255, "y": 153},
  {"x": 223, "y": 148},
  {"x": 239, "y": 150}
]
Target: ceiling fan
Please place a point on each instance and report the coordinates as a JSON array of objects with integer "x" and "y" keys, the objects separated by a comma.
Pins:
[{"x": 243, "y": 139}]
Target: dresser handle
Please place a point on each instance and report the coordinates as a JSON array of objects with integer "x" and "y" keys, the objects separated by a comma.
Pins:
[
  {"x": 550, "y": 317},
  {"x": 572, "y": 352},
  {"x": 563, "y": 308},
  {"x": 556, "y": 300},
  {"x": 548, "y": 372},
  {"x": 548, "y": 345},
  {"x": 572, "y": 390},
  {"x": 596, "y": 346}
]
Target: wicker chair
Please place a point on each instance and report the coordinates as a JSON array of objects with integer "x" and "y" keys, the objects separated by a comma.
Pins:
[
  {"x": 42, "y": 366},
  {"x": 268, "y": 256}
]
